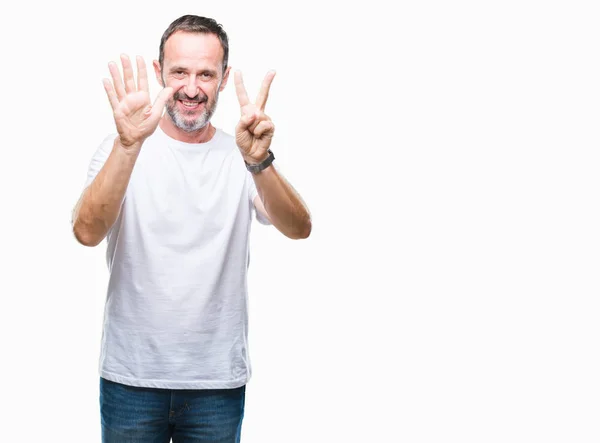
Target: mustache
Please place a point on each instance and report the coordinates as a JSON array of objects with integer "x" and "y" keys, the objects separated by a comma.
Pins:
[{"x": 183, "y": 96}]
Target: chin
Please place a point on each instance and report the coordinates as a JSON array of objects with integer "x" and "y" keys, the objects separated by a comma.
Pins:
[
  {"x": 189, "y": 125},
  {"x": 193, "y": 128}
]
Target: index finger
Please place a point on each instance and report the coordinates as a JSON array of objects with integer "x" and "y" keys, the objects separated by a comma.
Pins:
[
  {"x": 263, "y": 94},
  {"x": 242, "y": 95}
]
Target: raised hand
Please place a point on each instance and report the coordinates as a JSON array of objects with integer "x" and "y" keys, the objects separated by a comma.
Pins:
[
  {"x": 255, "y": 129},
  {"x": 135, "y": 117}
]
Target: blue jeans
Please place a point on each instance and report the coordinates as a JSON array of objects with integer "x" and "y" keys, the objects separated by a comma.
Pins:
[{"x": 149, "y": 415}]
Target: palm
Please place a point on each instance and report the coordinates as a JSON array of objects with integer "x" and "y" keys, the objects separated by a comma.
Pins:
[
  {"x": 131, "y": 116},
  {"x": 135, "y": 117}
]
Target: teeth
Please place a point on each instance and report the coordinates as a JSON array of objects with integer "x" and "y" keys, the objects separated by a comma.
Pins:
[{"x": 189, "y": 103}]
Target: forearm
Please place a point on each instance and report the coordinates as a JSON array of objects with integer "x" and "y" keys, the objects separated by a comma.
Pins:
[
  {"x": 99, "y": 206},
  {"x": 285, "y": 208}
]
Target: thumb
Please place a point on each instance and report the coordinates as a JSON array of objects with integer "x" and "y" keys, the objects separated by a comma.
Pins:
[{"x": 161, "y": 100}]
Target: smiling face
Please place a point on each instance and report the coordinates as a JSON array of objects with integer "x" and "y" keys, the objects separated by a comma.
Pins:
[{"x": 193, "y": 67}]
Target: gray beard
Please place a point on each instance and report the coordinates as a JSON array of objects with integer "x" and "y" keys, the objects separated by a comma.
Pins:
[
  {"x": 193, "y": 125},
  {"x": 190, "y": 125}
]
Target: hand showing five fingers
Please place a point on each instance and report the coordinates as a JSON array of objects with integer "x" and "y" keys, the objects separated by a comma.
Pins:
[
  {"x": 135, "y": 117},
  {"x": 255, "y": 129}
]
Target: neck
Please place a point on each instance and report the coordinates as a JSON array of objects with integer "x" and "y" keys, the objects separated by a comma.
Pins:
[{"x": 200, "y": 136}]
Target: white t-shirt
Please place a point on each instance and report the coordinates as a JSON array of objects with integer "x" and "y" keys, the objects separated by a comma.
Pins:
[{"x": 176, "y": 306}]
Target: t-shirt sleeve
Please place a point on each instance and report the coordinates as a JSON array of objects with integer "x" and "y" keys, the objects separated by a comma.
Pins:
[
  {"x": 252, "y": 193},
  {"x": 99, "y": 158}
]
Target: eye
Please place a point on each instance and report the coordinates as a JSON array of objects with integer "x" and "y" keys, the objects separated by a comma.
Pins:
[{"x": 206, "y": 75}]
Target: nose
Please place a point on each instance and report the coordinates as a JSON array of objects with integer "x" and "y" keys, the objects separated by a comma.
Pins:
[{"x": 191, "y": 87}]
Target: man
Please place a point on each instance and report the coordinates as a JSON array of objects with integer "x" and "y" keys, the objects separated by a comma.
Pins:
[{"x": 174, "y": 197}]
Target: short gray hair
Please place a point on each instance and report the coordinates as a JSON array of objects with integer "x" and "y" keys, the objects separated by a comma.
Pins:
[{"x": 194, "y": 23}]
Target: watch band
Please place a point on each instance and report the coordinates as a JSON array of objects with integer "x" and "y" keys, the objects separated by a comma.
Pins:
[{"x": 255, "y": 169}]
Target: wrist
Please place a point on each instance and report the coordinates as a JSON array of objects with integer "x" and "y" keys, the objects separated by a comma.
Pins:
[
  {"x": 129, "y": 148},
  {"x": 255, "y": 160},
  {"x": 255, "y": 167}
]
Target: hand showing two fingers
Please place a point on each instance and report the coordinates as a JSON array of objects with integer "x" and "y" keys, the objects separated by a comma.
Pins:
[
  {"x": 255, "y": 129},
  {"x": 135, "y": 117}
]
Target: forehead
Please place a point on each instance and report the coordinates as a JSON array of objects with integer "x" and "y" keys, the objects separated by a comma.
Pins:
[{"x": 193, "y": 48}]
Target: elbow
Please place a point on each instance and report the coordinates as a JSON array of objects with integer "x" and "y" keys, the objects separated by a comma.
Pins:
[
  {"x": 306, "y": 231},
  {"x": 303, "y": 231},
  {"x": 84, "y": 236}
]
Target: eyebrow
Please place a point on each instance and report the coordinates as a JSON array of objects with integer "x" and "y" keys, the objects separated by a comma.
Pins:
[
  {"x": 177, "y": 68},
  {"x": 181, "y": 68}
]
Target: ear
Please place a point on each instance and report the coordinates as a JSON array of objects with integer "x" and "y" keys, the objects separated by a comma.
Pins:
[
  {"x": 157, "y": 71},
  {"x": 225, "y": 78}
]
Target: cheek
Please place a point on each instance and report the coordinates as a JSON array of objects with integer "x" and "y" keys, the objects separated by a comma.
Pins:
[
  {"x": 217, "y": 89},
  {"x": 211, "y": 93},
  {"x": 175, "y": 84},
  {"x": 178, "y": 87}
]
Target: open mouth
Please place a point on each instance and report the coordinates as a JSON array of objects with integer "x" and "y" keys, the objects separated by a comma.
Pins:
[{"x": 190, "y": 105}]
